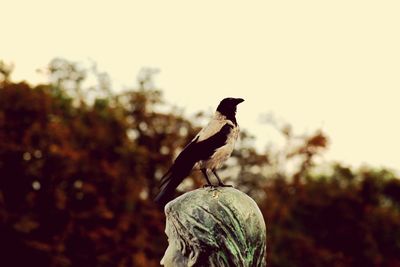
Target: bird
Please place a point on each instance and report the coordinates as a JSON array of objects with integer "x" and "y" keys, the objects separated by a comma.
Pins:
[{"x": 207, "y": 151}]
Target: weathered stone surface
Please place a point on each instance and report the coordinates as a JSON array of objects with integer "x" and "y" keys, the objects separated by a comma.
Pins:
[{"x": 214, "y": 227}]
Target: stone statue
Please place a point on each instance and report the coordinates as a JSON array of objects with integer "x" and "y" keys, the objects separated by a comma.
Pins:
[{"x": 214, "y": 226}]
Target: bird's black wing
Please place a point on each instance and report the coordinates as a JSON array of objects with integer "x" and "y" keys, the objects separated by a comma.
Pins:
[
  {"x": 205, "y": 148},
  {"x": 183, "y": 164}
]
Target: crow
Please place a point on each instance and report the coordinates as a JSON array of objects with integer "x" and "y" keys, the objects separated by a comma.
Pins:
[{"x": 208, "y": 150}]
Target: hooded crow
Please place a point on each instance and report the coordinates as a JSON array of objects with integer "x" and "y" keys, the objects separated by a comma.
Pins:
[{"x": 208, "y": 150}]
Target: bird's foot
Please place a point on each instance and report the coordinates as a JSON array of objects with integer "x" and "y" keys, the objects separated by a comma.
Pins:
[
  {"x": 209, "y": 186},
  {"x": 224, "y": 185}
]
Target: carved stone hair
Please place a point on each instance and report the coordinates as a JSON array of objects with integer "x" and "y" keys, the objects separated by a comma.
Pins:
[{"x": 218, "y": 227}]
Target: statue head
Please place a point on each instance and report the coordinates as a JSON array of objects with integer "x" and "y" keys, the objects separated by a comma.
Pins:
[{"x": 214, "y": 227}]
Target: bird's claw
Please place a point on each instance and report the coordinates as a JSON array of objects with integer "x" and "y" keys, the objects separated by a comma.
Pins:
[{"x": 209, "y": 186}]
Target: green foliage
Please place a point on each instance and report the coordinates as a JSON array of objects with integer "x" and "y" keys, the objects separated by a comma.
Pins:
[{"x": 78, "y": 173}]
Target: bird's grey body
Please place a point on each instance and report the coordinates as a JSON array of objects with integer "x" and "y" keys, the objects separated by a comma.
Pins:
[
  {"x": 222, "y": 153},
  {"x": 210, "y": 148}
]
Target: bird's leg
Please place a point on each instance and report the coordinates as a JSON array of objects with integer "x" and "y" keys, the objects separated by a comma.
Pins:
[
  {"x": 204, "y": 171},
  {"x": 220, "y": 183}
]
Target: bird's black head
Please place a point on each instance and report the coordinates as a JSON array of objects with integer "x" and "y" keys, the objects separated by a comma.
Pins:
[{"x": 227, "y": 107}]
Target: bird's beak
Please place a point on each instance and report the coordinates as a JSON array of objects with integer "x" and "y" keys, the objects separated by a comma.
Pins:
[{"x": 239, "y": 100}]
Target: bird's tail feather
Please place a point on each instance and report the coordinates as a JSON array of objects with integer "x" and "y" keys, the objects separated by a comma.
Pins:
[
  {"x": 168, "y": 185},
  {"x": 179, "y": 170},
  {"x": 165, "y": 179}
]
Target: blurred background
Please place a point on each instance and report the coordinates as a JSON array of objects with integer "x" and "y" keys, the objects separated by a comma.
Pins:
[{"x": 97, "y": 99}]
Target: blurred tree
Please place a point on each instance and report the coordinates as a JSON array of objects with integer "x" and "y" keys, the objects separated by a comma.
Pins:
[
  {"x": 5, "y": 71},
  {"x": 78, "y": 172}
]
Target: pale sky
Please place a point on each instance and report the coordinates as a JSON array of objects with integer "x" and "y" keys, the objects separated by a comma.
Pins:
[{"x": 333, "y": 65}]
